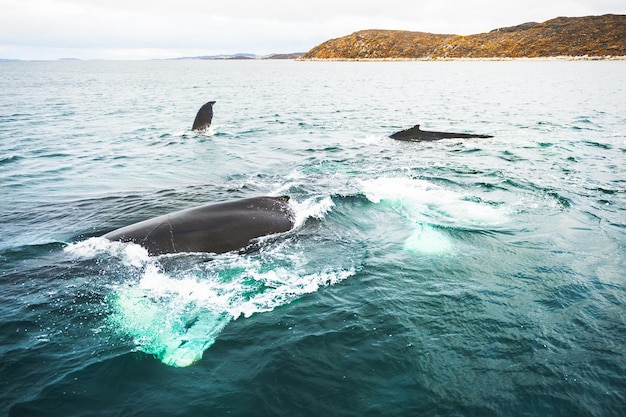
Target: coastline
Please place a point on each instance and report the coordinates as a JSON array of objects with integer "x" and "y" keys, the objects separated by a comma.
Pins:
[{"x": 470, "y": 59}]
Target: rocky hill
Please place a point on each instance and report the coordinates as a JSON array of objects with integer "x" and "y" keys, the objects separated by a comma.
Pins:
[{"x": 593, "y": 36}]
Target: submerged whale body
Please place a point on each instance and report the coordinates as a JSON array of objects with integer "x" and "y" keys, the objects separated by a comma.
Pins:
[
  {"x": 204, "y": 117},
  {"x": 213, "y": 228},
  {"x": 415, "y": 134}
]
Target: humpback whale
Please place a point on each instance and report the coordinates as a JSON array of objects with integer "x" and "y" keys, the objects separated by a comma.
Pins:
[
  {"x": 213, "y": 228},
  {"x": 415, "y": 134},
  {"x": 204, "y": 117}
]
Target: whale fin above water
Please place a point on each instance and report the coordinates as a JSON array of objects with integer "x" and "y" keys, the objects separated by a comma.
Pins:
[
  {"x": 204, "y": 117},
  {"x": 415, "y": 134}
]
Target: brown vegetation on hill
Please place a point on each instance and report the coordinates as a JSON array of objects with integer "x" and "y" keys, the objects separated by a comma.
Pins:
[{"x": 594, "y": 36}]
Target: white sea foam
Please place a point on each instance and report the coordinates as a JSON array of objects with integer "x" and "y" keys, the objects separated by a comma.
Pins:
[
  {"x": 167, "y": 318},
  {"x": 426, "y": 239},
  {"x": 176, "y": 315},
  {"x": 211, "y": 131},
  {"x": 422, "y": 200},
  {"x": 284, "y": 285},
  {"x": 129, "y": 253},
  {"x": 312, "y": 207},
  {"x": 427, "y": 204}
]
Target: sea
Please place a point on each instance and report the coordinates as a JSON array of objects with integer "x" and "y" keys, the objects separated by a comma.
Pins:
[{"x": 461, "y": 277}]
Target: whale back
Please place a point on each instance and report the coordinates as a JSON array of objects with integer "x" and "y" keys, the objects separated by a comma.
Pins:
[
  {"x": 213, "y": 228},
  {"x": 415, "y": 134},
  {"x": 204, "y": 117}
]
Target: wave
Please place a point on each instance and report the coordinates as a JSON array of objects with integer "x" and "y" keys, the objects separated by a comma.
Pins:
[
  {"x": 433, "y": 210},
  {"x": 27, "y": 252},
  {"x": 9, "y": 159},
  {"x": 595, "y": 144},
  {"x": 311, "y": 208}
]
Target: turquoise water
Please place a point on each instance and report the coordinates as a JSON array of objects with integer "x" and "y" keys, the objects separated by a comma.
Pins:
[{"x": 454, "y": 278}]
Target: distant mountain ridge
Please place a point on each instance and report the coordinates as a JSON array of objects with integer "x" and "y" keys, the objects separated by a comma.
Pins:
[
  {"x": 293, "y": 55},
  {"x": 593, "y": 36}
]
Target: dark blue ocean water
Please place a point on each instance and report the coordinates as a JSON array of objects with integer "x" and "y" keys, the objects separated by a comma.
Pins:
[{"x": 481, "y": 277}]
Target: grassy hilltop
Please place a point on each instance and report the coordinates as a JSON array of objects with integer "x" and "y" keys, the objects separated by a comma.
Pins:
[{"x": 593, "y": 36}]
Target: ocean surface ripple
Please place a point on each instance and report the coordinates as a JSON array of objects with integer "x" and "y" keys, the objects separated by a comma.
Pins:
[{"x": 479, "y": 277}]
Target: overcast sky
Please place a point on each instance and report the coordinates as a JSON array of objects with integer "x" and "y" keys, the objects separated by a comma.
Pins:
[{"x": 141, "y": 29}]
